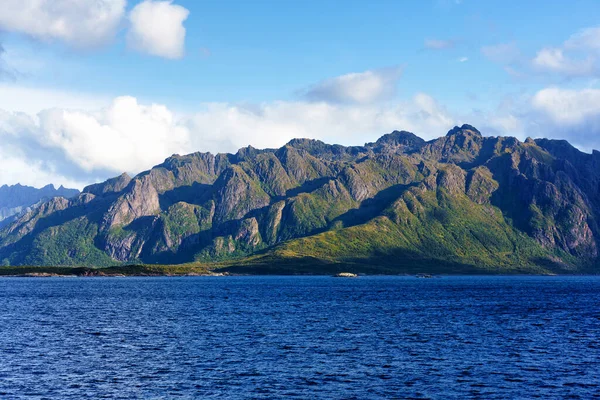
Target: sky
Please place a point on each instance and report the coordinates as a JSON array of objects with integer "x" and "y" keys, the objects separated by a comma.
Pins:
[{"x": 93, "y": 88}]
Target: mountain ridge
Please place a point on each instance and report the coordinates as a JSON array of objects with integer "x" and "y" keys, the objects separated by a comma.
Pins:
[
  {"x": 15, "y": 199},
  {"x": 463, "y": 201}
]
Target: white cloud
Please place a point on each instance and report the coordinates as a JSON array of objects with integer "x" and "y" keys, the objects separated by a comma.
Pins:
[
  {"x": 568, "y": 107},
  {"x": 552, "y": 112},
  {"x": 123, "y": 137},
  {"x": 84, "y": 146},
  {"x": 358, "y": 87},
  {"x": 16, "y": 168},
  {"x": 568, "y": 114},
  {"x": 81, "y": 24},
  {"x": 228, "y": 127},
  {"x": 576, "y": 57},
  {"x": 76, "y": 147},
  {"x": 463, "y": 59},
  {"x": 588, "y": 38},
  {"x": 157, "y": 28},
  {"x": 554, "y": 60},
  {"x": 436, "y": 44},
  {"x": 32, "y": 100}
]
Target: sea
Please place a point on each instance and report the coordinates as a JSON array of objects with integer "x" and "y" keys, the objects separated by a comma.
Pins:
[{"x": 306, "y": 337}]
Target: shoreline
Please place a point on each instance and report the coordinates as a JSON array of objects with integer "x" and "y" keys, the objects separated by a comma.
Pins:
[
  {"x": 225, "y": 274},
  {"x": 274, "y": 269}
]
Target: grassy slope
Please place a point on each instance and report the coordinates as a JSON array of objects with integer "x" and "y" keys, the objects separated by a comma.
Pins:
[{"x": 445, "y": 234}]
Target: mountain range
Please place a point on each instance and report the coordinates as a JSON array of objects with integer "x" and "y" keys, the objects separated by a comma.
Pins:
[
  {"x": 17, "y": 199},
  {"x": 461, "y": 203}
]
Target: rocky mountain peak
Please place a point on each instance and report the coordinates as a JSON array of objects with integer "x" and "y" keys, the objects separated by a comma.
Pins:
[
  {"x": 397, "y": 139},
  {"x": 312, "y": 146},
  {"x": 465, "y": 129},
  {"x": 113, "y": 185}
]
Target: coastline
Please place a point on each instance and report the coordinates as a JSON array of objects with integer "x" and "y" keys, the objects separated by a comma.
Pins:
[{"x": 186, "y": 271}]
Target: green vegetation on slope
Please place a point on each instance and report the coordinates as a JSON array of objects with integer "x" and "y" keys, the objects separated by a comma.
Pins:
[
  {"x": 443, "y": 234},
  {"x": 460, "y": 203}
]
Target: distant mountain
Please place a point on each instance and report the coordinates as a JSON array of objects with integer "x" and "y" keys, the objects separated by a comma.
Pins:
[
  {"x": 459, "y": 203},
  {"x": 18, "y": 198}
]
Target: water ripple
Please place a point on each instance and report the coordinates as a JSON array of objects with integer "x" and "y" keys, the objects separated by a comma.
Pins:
[{"x": 300, "y": 337}]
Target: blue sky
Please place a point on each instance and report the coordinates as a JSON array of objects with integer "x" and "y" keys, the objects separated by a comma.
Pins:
[
  {"x": 268, "y": 50},
  {"x": 79, "y": 79}
]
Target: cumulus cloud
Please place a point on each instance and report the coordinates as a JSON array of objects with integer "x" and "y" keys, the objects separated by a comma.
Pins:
[
  {"x": 25, "y": 161},
  {"x": 554, "y": 60},
  {"x": 578, "y": 56},
  {"x": 228, "y": 127},
  {"x": 74, "y": 147},
  {"x": 31, "y": 100},
  {"x": 569, "y": 114},
  {"x": 157, "y": 28},
  {"x": 78, "y": 23},
  {"x": 16, "y": 168},
  {"x": 552, "y": 112},
  {"x": 588, "y": 39},
  {"x": 358, "y": 87},
  {"x": 568, "y": 107},
  {"x": 436, "y": 44},
  {"x": 85, "y": 146},
  {"x": 124, "y": 136}
]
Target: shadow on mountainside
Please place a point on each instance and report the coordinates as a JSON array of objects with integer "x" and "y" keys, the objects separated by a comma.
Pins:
[
  {"x": 372, "y": 207},
  {"x": 94, "y": 210},
  {"x": 396, "y": 262}
]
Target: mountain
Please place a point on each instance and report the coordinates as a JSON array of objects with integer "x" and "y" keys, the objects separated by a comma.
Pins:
[
  {"x": 462, "y": 203},
  {"x": 17, "y": 199}
]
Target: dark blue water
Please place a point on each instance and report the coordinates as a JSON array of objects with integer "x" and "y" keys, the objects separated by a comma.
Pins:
[{"x": 304, "y": 337}]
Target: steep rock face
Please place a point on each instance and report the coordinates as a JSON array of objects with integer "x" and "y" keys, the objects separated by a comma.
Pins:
[
  {"x": 273, "y": 222},
  {"x": 26, "y": 223},
  {"x": 301, "y": 166},
  {"x": 481, "y": 185},
  {"x": 460, "y": 199},
  {"x": 130, "y": 219},
  {"x": 452, "y": 179},
  {"x": 561, "y": 217},
  {"x": 237, "y": 194},
  {"x": 139, "y": 199},
  {"x": 123, "y": 245},
  {"x": 248, "y": 232},
  {"x": 269, "y": 171}
]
